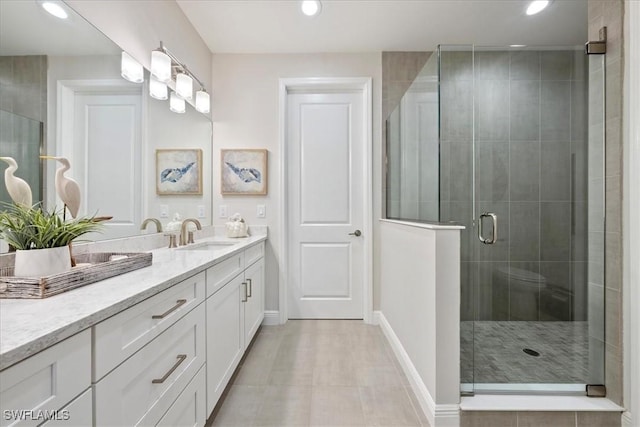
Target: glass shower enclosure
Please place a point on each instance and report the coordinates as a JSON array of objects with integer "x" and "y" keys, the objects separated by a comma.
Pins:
[{"x": 509, "y": 143}]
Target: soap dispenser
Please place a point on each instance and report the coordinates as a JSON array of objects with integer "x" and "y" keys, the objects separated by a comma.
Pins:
[{"x": 175, "y": 224}]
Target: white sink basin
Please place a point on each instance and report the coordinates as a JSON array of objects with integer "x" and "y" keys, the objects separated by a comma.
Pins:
[{"x": 207, "y": 246}]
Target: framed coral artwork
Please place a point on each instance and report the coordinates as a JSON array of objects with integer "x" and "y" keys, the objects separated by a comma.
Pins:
[
  {"x": 179, "y": 172},
  {"x": 243, "y": 172}
]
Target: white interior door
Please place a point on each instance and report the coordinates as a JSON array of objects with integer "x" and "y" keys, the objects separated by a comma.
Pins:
[
  {"x": 107, "y": 141},
  {"x": 326, "y": 158}
]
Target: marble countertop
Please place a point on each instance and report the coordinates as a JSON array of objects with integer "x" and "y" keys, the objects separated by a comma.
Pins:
[{"x": 28, "y": 326}]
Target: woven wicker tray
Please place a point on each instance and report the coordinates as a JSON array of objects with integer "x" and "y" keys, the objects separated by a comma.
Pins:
[{"x": 101, "y": 268}]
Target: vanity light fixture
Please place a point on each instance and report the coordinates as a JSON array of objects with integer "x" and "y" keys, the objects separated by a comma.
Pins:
[
  {"x": 157, "y": 89},
  {"x": 176, "y": 103},
  {"x": 537, "y": 6},
  {"x": 161, "y": 65},
  {"x": 311, "y": 7},
  {"x": 203, "y": 101},
  {"x": 165, "y": 67},
  {"x": 184, "y": 85},
  {"x": 131, "y": 69},
  {"x": 54, "y": 8}
]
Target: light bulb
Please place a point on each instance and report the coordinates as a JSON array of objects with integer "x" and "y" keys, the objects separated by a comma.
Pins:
[
  {"x": 310, "y": 7},
  {"x": 184, "y": 86},
  {"x": 177, "y": 104},
  {"x": 131, "y": 69},
  {"x": 537, "y": 6},
  {"x": 157, "y": 89},
  {"x": 55, "y": 9},
  {"x": 161, "y": 66},
  {"x": 203, "y": 101}
]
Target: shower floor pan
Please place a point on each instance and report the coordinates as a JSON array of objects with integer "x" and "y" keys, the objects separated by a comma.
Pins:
[{"x": 499, "y": 352}]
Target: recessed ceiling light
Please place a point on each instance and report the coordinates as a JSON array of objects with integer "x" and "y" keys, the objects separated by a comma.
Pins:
[
  {"x": 55, "y": 9},
  {"x": 537, "y": 6},
  {"x": 517, "y": 45},
  {"x": 310, "y": 7}
]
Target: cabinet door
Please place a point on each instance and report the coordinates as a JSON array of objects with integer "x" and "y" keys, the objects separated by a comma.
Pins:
[
  {"x": 254, "y": 306},
  {"x": 46, "y": 381},
  {"x": 225, "y": 328}
]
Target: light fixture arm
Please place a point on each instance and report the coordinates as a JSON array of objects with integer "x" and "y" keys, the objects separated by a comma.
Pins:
[{"x": 175, "y": 62}]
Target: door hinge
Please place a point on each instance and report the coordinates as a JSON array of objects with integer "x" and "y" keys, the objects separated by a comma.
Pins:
[{"x": 596, "y": 390}]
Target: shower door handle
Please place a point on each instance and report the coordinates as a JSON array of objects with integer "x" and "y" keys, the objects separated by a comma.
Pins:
[{"x": 494, "y": 233}]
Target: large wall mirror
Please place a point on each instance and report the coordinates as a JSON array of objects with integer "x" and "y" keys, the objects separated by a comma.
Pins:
[{"x": 61, "y": 94}]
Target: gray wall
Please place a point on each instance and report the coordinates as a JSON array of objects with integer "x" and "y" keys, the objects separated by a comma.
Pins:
[{"x": 525, "y": 110}]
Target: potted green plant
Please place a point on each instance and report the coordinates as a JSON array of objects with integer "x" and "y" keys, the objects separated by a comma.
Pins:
[{"x": 41, "y": 238}]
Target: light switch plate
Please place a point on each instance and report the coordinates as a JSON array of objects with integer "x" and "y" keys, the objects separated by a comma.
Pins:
[
  {"x": 222, "y": 211},
  {"x": 201, "y": 211},
  {"x": 261, "y": 211},
  {"x": 164, "y": 211}
]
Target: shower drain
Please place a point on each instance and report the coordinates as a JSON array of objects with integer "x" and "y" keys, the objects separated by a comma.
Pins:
[{"x": 531, "y": 352}]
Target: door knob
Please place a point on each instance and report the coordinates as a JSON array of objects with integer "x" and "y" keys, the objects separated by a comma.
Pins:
[{"x": 356, "y": 233}]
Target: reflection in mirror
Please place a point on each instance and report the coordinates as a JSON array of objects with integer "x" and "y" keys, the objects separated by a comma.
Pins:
[
  {"x": 412, "y": 150},
  {"x": 61, "y": 94}
]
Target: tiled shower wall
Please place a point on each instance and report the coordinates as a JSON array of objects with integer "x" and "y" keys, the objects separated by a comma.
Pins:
[
  {"x": 525, "y": 110},
  {"x": 23, "y": 101}
]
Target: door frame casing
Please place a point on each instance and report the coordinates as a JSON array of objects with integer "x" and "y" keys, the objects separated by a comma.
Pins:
[{"x": 330, "y": 85}]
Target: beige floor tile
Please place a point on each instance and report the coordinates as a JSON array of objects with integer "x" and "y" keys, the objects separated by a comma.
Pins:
[
  {"x": 424, "y": 422},
  {"x": 376, "y": 375},
  {"x": 387, "y": 406},
  {"x": 254, "y": 370},
  {"x": 285, "y": 406},
  {"x": 335, "y": 371},
  {"x": 336, "y": 406},
  {"x": 240, "y": 406}
]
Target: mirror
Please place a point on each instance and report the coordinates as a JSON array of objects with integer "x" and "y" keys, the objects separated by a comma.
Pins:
[{"x": 62, "y": 94}]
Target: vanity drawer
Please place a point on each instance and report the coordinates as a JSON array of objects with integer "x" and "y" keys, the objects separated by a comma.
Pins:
[
  {"x": 221, "y": 273},
  {"x": 253, "y": 254},
  {"x": 189, "y": 409},
  {"x": 77, "y": 413},
  {"x": 140, "y": 390},
  {"x": 46, "y": 381},
  {"x": 120, "y": 336}
]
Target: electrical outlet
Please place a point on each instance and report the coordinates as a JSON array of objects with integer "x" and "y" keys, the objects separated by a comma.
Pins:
[
  {"x": 222, "y": 211},
  {"x": 201, "y": 212},
  {"x": 164, "y": 211},
  {"x": 261, "y": 211}
]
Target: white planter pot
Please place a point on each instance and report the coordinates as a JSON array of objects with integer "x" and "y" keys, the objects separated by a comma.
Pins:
[{"x": 42, "y": 262}]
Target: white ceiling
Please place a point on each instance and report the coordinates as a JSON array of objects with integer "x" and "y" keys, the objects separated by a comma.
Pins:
[
  {"x": 26, "y": 29},
  {"x": 278, "y": 26}
]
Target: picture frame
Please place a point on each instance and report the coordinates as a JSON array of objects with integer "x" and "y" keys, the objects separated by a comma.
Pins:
[
  {"x": 243, "y": 172},
  {"x": 178, "y": 172}
]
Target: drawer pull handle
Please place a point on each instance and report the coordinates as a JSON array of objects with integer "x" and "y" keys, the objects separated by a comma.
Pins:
[
  {"x": 250, "y": 288},
  {"x": 181, "y": 358},
  {"x": 245, "y": 297},
  {"x": 171, "y": 310}
]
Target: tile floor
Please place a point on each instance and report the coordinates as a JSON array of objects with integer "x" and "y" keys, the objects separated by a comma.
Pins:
[
  {"x": 319, "y": 373},
  {"x": 499, "y": 358}
]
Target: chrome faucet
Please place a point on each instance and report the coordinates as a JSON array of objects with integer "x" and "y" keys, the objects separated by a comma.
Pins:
[
  {"x": 183, "y": 231},
  {"x": 153, "y": 220}
]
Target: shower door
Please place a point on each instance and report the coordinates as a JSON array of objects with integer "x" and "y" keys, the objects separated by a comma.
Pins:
[{"x": 515, "y": 155}]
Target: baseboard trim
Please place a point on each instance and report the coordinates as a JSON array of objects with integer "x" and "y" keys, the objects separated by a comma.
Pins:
[
  {"x": 438, "y": 415},
  {"x": 627, "y": 419},
  {"x": 271, "y": 318}
]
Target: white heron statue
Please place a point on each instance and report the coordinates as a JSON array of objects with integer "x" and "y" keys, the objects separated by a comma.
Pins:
[
  {"x": 68, "y": 190},
  {"x": 17, "y": 188}
]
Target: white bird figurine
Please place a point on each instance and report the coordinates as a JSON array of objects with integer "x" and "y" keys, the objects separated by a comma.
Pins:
[
  {"x": 68, "y": 190},
  {"x": 17, "y": 188}
]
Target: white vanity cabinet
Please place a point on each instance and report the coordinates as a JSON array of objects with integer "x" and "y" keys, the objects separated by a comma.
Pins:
[
  {"x": 157, "y": 348},
  {"x": 235, "y": 311},
  {"x": 43, "y": 386}
]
